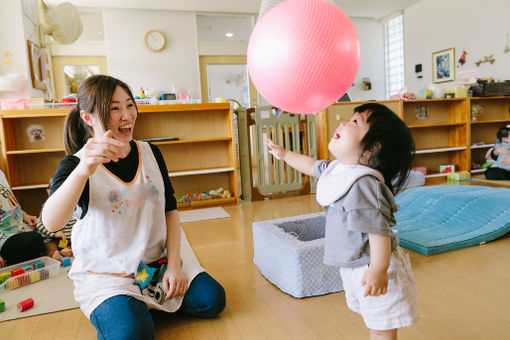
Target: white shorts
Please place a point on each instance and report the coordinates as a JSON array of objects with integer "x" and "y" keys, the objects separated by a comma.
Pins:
[{"x": 395, "y": 309}]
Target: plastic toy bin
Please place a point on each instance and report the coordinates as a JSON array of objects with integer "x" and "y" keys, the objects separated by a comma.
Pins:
[
  {"x": 289, "y": 253},
  {"x": 41, "y": 268}
]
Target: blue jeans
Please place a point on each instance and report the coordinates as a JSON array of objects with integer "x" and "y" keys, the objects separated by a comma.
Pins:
[{"x": 123, "y": 317}]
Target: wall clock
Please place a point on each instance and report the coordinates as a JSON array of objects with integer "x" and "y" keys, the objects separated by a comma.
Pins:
[{"x": 154, "y": 40}]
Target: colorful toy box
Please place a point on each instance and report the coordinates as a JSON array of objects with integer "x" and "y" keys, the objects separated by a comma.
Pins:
[
  {"x": 458, "y": 176},
  {"x": 42, "y": 269}
]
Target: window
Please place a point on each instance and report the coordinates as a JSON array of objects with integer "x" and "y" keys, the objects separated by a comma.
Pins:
[{"x": 394, "y": 53}]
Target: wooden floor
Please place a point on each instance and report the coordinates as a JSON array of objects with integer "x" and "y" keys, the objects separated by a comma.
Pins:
[{"x": 463, "y": 294}]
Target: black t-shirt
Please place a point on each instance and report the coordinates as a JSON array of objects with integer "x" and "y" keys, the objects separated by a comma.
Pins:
[{"x": 125, "y": 169}]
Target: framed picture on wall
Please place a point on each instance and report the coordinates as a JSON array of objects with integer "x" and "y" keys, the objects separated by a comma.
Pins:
[
  {"x": 35, "y": 55},
  {"x": 443, "y": 65}
]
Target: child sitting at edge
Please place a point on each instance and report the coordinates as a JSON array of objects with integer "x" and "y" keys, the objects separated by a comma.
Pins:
[
  {"x": 56, "y": 244},
  {"x": 52, "y": 240},
  {"x": 374, "y": 151},
  {"x": 501, "y": 154}
]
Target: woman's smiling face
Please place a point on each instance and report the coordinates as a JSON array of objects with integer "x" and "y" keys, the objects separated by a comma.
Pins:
[{"x": 123, "y": 115}]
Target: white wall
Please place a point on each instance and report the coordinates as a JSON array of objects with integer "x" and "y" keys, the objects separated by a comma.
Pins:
[
  {"x": 129, "y": 60},
  {"x": 371, "y": 38},
  {"x": 478, "y": 27},
  {"x": 14, "y": 42}
]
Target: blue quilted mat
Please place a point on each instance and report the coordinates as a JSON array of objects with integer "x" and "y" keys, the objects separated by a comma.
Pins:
[{"x": 437, "y": 219}]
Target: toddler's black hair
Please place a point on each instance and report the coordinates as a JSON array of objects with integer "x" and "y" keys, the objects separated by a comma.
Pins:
[
  {"x": 390, "y": 144},
  {"x": 502, "y": 133}
]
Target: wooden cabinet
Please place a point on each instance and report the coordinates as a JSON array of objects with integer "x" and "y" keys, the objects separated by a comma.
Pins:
[
  {"x": 444, "y": 130},
  {"x": 202, "y": 159}
]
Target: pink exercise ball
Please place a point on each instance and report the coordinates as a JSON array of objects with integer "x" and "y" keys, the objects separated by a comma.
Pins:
[{"x": 303, "y": 55}]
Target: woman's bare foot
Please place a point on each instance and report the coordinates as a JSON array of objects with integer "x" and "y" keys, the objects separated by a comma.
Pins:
[{"x": 66, "y": 252}]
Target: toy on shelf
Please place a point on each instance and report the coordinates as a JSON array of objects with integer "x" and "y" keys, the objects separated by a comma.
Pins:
[
  {"x": 458, "y": 176},
  {"x": 25, "y": 304},
  {"x": 40, "y": 269},
  {"x": 444, "y": 169},
  {"x": 70, "y": 98},
  {"x": 201, "y": 196}
]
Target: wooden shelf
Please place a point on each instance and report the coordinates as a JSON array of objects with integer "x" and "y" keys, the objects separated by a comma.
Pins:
[
  {"x": 28, "y": 187},
  {"x": 200, "y": 172},
  {"x": 37, "y": 113},
  {"x": 492, "y": 121},
  {"x": 143, "y": 109},
  {"x": 205, "y": 148},
  {"x": 416, "y": 126},
  {"x": 204, "y": 203},
  {"x": 24, "y": 152},
  {"x": 448, "y": 149},
  {"x": 205, "y": 140},
  {"x": 481, "y": 146},
  {"x": 477, "y": 171},
  {"x": 435, "y": 175}
]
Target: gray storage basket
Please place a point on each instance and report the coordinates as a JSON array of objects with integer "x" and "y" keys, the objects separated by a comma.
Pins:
[{"x": 289, "y": 253}]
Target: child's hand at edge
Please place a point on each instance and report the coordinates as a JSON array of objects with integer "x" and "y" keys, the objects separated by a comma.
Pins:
[
  {"x": 29, "y": 219},
  {"x": 60, "y": 235},
  {"x": 274, "y": 149},
  {"x": 2, "y": 262},
  {"x": 375, "y": 282}
]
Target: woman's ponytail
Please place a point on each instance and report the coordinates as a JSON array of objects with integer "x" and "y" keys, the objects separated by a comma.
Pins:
[{"x": 75, "y": 132}]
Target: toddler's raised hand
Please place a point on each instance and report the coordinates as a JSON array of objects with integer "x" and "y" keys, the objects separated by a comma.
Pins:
[{"x": 274, "y": 149}]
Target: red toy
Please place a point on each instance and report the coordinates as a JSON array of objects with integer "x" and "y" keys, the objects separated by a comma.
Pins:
[
  {"x": 24, "y": 305},
  {"x": 17, "y": 271}
]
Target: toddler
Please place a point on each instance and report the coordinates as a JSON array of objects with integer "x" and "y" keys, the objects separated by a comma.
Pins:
[{"x": 374, "y": 152}]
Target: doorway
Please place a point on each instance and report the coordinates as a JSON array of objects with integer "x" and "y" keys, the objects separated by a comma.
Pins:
[
  {"x": 226, "y": 76},
  {"x": 69, "y": 71}
]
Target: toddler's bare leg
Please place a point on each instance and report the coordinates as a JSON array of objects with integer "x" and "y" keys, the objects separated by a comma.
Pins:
[{"x": 390, "y": 334}]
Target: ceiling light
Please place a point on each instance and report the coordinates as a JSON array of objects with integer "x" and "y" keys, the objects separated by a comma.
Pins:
[{"x": 229, "y": 34}]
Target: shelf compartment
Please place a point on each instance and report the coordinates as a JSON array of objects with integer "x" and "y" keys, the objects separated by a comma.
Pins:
[
  {"x": 182, "y": 157},
  {"x": 439, "y": 112},
  {"x": 16, "y": 133},
  {"x": 432, "y": 161},
  {"x": 33, "y": 168},
  {"x": 485, "y": 132},
  {"x": 202, "y": 183},
  {"x": 188, "y": 125},
  {"x": 440, "y": 137},
  {"x": 495, "y": 109}
]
